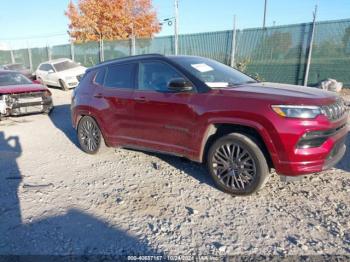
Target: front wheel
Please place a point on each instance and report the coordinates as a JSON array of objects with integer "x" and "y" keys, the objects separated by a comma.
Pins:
[
  {"x": 63, "y": 85},
  {"x": 89, "y": 135},
  {"x": 237, "y": 164}
]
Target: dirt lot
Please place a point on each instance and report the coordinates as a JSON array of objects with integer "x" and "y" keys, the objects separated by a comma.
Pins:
[{"x": 54, "y": 199}]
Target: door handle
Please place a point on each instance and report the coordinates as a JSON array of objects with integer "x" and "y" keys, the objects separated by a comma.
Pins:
[
  {"x": 98, "y": 95},
  {"x": 141, "y": 99}
]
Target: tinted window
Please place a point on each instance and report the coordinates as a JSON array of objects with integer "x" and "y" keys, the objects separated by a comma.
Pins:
[
  {"x": 156, "y": 76},
  {"x": 46, "y": 67},
  {"x": 120, "y": 76},
  {"x": 43, "y": 67},
  {"x": 100, "y": 76}
]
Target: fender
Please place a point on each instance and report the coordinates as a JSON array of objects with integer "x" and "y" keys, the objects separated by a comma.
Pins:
[{"x": 261, "y": 130}]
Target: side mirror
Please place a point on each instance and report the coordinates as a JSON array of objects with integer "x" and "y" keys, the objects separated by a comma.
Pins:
[
  {"x": 50, "y": 71},
  {"x": 179, "y": 85},
  {"x": 36, "y": 82}
]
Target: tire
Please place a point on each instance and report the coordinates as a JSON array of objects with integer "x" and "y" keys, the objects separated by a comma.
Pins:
[
  {"x": 237, "y": 164},
  {"x": 63, "y": 85},
  {"x": 89, "y": 135}
]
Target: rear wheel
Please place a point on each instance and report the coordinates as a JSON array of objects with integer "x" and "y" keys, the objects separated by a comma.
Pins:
[
  {"x": 237, "y": 164},
  {"x": 89, "y": 135},
  {"x": 63, "y": 85}
]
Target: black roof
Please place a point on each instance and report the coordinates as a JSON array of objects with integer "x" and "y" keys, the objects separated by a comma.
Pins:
[
  {"x": 126, "y": 59},
  {"x": 137, "y": 57}
]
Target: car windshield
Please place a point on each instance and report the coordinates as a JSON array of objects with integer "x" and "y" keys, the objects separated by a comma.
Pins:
[
  {"x": 212, "y": 73},
  {"x": 65, "y": 65},
  {"x": 16, "y": 67},
  {"x": 7, "y": 79}
]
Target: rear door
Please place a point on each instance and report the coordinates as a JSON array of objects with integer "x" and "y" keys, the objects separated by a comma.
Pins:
[
  {"x": 113, "y": 99},
  {"x": 42, "y": 72},
  {"x": 162, "y": 120}
]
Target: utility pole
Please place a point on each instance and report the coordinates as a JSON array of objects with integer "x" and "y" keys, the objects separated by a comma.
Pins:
[
  {"x": 233, "y": 51},
  {"x": 264, "y": 21},
  {"x": 176, "y": 27},
  {"x": 306, "y": 78}
]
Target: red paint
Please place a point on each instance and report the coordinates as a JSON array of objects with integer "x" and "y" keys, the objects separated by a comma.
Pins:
[
  {"x": 15, "y": 89},
  {"x": 178, "y": 122}
]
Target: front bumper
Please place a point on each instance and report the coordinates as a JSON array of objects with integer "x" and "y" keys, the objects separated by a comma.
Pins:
[
  {"x": 302, "y": 161},
  {"x": 26, "y": 103}
]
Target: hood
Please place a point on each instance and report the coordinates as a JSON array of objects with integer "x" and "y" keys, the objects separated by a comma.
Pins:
[
  {"x": 16, "y": 89},
  {"x": 285, "y": 93}
]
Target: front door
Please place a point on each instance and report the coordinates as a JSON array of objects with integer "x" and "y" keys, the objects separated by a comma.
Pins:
[{"x": 162, "y": 120}]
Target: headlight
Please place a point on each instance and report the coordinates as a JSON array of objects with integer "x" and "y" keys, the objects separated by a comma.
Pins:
[{"x": 305, "y": 112}]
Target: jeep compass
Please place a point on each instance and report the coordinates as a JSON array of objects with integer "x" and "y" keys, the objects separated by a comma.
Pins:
[{"x": 210, "y": 113}]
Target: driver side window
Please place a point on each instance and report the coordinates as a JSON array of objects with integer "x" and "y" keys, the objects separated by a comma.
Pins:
[{"x": 155, "y": 76}]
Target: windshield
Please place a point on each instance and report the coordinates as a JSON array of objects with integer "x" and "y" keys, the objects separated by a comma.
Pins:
[
  {"x": 7, "y": 79},
  {"x": 16, "y": 67},
  {"x": 65, "y": 65},
  {"x": 212, "y": 73}
]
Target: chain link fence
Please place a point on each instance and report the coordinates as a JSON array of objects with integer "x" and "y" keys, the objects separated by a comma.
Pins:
[{"x": 276, "y": 54}]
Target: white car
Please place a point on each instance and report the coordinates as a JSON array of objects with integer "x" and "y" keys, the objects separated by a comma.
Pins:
[{"x": 62, "y": 72}]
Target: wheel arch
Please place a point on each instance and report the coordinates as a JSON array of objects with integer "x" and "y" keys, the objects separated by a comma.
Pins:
[{"x": 253, "y": 130}]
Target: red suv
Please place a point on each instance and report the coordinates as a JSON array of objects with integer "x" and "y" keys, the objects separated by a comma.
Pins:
[{"x": 210, "y": 113}]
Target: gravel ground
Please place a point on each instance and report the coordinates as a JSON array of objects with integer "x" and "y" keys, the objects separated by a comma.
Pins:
[{"x": 54, "y": 199}]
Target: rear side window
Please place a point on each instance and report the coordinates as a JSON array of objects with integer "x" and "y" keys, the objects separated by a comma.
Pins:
[
  {"x": 100, "y": 76},
  {"x": 43, "y": 67},
  {"x": 46, "y": 67},
  {"x": 120, "y": 76}
]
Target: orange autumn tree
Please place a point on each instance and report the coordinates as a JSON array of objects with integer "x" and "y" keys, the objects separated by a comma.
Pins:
[{"x": 91, "y": 20}]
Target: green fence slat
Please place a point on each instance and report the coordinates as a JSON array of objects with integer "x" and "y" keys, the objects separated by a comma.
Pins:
[{"x": 277, "y": 54}]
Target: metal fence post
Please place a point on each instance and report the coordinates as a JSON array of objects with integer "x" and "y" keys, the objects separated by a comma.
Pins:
[
  {"x": 48, "y": 49},
  {"x": 30, "y": 58},
  {"x": 233, "y": 50},
  {"x": 72, "y": 55},
  {"x": 101, "y": 50},
  {"x": 12, "y": 57},
  {"x": 306, "y": 78}
]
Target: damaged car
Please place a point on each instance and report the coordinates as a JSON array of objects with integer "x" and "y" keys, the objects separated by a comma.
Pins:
[{"x": 21, "y": 96}]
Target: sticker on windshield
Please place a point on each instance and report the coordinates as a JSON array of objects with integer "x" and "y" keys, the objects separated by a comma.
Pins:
[
  {"x": 202, "y": 67},
  {"x": 217, "y": 84}
]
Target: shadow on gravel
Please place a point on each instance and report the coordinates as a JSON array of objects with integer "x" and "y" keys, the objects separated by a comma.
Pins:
[
  {"x": 74, "y": 233},
  {"x": 344, "y": 164},
  {"x": 61, "y": 118},
  {"x": 193, "y": 169}
]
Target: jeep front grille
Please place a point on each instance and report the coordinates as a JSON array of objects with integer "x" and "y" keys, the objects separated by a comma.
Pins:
[{"x": 334, "y": 111}]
